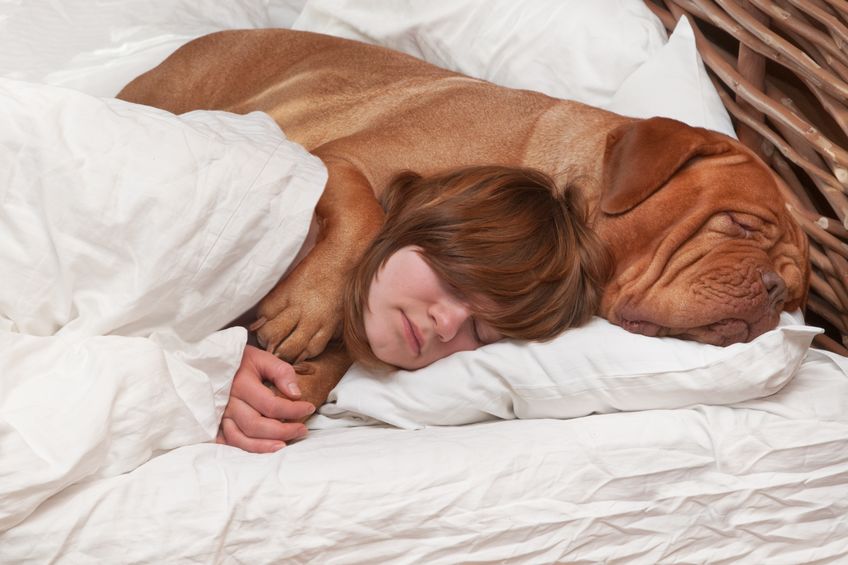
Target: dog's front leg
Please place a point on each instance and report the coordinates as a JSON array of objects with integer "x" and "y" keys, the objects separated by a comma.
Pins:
[{"x": 304, "y": 311}]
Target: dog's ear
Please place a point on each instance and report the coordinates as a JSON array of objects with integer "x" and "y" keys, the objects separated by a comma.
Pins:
[{"x": 642, "y": 156}]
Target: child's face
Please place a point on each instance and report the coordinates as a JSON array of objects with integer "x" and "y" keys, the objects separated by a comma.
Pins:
[{"x": 414, "y": 319}]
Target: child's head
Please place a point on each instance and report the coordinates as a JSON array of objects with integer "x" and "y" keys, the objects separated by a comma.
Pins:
[{"x": 468, "y": 257}]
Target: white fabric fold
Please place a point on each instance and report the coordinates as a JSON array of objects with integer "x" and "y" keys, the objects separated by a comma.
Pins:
[{"x": 86, "y": 408}]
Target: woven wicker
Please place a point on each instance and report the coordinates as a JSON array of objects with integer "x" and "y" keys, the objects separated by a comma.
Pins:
[{"x": 781, "y": 69}]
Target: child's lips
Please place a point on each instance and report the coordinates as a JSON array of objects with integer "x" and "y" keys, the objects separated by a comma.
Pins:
[{"x": 412, "y": 335}]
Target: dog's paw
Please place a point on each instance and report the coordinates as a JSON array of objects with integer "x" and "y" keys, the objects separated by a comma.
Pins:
[
  {"x": 296, "y": 320},
  {"x": 297, "y": 333}
]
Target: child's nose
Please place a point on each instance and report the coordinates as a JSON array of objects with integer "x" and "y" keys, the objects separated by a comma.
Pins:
[{"x": 448, "y": 317}]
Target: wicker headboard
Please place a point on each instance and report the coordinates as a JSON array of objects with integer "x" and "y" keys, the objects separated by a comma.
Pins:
[{"x": 781, "y": 68}]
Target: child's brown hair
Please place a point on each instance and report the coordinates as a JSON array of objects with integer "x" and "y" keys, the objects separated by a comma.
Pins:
[{"x": 506, "y": 239}]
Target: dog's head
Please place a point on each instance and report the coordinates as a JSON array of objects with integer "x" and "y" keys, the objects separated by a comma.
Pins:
[{"x": 705, "y": 248}]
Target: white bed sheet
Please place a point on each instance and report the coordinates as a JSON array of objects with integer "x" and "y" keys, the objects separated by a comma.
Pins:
[
  {"x": 761, "y": 484},
  {"x": 763, "y": 481}
]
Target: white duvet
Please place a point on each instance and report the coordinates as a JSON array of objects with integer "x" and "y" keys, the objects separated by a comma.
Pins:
[{"x": 129, "y": 237}]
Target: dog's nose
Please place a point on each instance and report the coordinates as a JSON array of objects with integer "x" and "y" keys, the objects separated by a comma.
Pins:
[{"x": 776, "y": 288}]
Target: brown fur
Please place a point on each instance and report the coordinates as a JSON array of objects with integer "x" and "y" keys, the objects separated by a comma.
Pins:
[{"x": 703, "y": 245}]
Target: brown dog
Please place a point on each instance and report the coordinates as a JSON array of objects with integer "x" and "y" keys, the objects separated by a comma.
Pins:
[{"x": 703, "y": 244}]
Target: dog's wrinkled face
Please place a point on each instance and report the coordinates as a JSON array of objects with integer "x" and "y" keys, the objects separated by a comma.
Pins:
[{"x": 705, "y": 248}]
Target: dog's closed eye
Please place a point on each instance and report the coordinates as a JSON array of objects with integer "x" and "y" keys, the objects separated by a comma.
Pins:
[{"x": 737, "y": 224}]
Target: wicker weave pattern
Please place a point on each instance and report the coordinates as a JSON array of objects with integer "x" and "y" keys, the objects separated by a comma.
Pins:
[{"x": 781, "y": 68}]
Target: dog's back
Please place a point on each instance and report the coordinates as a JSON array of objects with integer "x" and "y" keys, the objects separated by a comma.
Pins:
[{"x": 379, "y": 109}]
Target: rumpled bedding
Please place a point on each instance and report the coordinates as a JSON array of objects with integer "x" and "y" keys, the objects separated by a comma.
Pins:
[
  {"x": 763, "y": 482},
  {"x": 130, "y": 237}
]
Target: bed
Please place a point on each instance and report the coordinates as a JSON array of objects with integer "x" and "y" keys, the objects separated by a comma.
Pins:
[{"x": 132, "y": 236}]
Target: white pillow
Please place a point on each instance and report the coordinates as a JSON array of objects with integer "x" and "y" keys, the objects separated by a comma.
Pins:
[
  {"x": 673, "y": 83},
  {"x": 124, "y": 219},
  {"x": 576, "y": 49},
  {"x": 98, "y": 46},
  {"x": 598, "y": 368}
]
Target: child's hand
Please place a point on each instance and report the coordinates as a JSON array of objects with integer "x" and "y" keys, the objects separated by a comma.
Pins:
[{"x": 252, "y": 417}]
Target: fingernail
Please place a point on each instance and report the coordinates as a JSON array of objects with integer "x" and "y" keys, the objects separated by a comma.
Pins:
[
  {"x": 311, "y": 409},
  {"x": 293, "y": 388}
]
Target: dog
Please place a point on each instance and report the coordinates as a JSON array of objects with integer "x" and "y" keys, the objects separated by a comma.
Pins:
[{"x": 702, "y": 241}]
